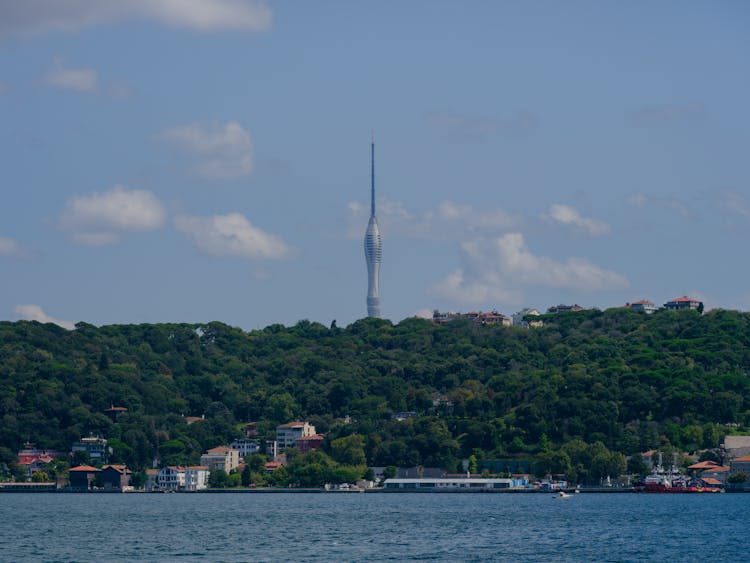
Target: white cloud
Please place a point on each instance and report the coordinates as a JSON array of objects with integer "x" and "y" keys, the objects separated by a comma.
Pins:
[
  {"x": 448, "y": 221},
  {"x": 569, "y": 216},
  {"x": 227, "y": 149},
  {"x": 496, "y": 269},
  {"x": 734, "y": 202},
  {"x": 9, "y": 247},
  {"x": 636, "y": 200},
  {"x": 464, "y": 289},
  {"x": 42, "y": 16},
  {"x": 98, "y": 219},
  {"x": 672, "y": 204},
  {"x": 35, "y": 313},
  {"x": 231, "y": 235},
  {"x": 78, "y": 79},
  {"x": 465, "y": 214}
]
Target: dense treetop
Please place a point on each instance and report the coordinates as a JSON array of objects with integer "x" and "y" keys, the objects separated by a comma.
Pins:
[{"x": 616, "y": 380}]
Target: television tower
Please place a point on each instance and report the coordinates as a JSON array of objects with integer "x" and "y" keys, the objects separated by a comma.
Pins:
[{"x": 373, "y": 247}]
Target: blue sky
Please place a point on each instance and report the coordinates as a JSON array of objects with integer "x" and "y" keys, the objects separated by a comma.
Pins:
[{"x": 209, "y": 160}]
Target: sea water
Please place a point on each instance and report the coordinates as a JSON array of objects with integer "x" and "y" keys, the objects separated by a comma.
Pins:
[{"x": 373, "y": 527}]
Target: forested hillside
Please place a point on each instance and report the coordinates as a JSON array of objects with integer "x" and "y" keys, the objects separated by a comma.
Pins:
[{"x": 622, "y": 378}]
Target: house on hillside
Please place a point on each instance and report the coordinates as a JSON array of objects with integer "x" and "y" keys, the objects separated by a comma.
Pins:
[
  {"x": 564, "y": 308},
  {"x": 222, "y": 458},
  {"x": 94, "y": 446},
  {"x": 521, "y": 318},
  {"x": 287, "y": 434},
  {"x": 246, "y": 446},
  {"x": 647, "y": 307},
  {"x": 683, "y": 302},
  {"x": 309, "y": 443}
]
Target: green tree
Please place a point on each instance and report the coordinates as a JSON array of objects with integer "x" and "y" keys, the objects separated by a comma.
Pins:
[
  {"x": 390, "y": 472},
  {"x": 246, "y": 475},
  {"x": 737, "y": 478},
  {"x": 637, "y": 466},
  {"x": 218, "y": 479},
  {"x": 349, "y": 450}
]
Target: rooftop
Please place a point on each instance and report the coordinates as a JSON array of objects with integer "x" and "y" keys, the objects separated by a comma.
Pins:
[{"x": 84, "y": 469}]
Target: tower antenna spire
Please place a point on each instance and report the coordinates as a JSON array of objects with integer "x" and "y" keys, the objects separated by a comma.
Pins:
[
  {"x": 372, "y": 174},
  {"x": 373, "y": 246}
]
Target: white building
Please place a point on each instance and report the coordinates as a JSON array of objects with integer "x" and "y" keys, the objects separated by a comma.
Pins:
[
  {"x": 196, "y": 477},
  {"x": 643, "y": 305},
  {"x": 246, "y": 446},
  {"x": 177, "y": 478},
  {"x": 286, "y": 434},
  {"x": 447, "y": 484},
  {"x": 518, "y": 318},
  {"x": 223, "y": 457}
]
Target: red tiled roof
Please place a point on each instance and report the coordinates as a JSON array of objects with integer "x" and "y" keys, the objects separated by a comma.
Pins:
[
  {"x": 704, "y": 465},
  {"x": 83, "y": 468},
  {"x": 205, "y": 467},
  {"x": 292, "y": 424},
  {"x": 711, "y": 481},
  {"x": 118, "y": 468},
  {"x": 743, "y": 458},
  {"x": 314, "y": 437},
  {"x": 219, "y": 449},
  {"x": 684, "y": 299},
  {"x": 718, "y": 469}
]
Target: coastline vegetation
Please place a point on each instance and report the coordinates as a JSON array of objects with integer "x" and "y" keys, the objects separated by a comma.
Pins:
[{"x": 579, "y": 395}]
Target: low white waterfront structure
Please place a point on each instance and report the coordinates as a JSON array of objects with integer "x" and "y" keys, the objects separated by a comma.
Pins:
[{"x": 456, "y": 484}]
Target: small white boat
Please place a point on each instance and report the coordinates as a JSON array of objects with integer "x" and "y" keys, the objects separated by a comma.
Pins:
[{"x": 561, "y": 494}]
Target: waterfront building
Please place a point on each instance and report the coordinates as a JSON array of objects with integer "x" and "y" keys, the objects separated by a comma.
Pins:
[
  {"x": 151, "y": 484},
  {"x": 178, "y": 478},
  {"x": 740, "y": 465},
  {"x": 287, "y": 434},
  {"x": 115, "y": 477},
  {"x": 222, "y": 458},
  {"x": 450, "y": 484},
  {"x": 373, "y": 248},
  {"x": 82, "y": 477},
  {"x": 34, "y": 459}
]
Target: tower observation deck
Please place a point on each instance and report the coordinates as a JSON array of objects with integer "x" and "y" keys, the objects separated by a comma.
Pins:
[{"x": 373, "y": 248}]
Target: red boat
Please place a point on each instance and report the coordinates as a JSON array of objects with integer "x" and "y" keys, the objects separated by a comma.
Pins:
[{"x": 661, "y": 484}]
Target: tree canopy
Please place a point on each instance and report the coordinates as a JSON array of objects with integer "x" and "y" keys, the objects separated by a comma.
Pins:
[{"x": 618, "y": 378}]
